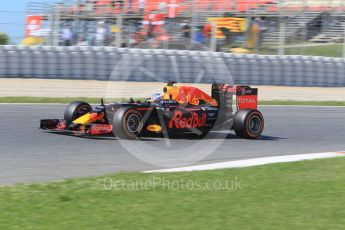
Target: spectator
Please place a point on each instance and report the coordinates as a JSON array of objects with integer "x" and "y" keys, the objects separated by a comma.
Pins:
[
  {"x": 199, "y": 36},
  {"x": 186, "y": 30},
  {"x": 150, "y": 31},
  {"x": 67, "y": 36},
  {"x": 254, "y": 35},
  {"x": 207, "y": 33},
  {"x": 100, "y": 34},
  {"x": 263, "y": 30}
]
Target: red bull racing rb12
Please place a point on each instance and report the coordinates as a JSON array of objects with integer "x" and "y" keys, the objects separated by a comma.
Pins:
[{"x": 178, "y": 110}]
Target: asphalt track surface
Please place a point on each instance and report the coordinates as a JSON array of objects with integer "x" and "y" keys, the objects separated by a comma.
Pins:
[{"x": 28, "y": 154}]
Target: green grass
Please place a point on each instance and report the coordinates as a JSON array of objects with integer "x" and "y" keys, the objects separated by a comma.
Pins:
[
  {"x": 303, "y": 103},
  {"x": 333, "y": 50},
  {"x": 302, "y": 195},
  {"x": 97, "y": 101}
]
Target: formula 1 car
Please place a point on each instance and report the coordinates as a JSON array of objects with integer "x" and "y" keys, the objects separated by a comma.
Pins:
[{"x": 179, "y": 110}]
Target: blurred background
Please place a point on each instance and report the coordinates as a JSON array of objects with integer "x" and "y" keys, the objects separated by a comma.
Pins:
[{"x": 301, "y": 27}]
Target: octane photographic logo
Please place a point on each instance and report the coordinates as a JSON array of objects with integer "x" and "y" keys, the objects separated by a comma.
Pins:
[{"x": 159, "y": 65}]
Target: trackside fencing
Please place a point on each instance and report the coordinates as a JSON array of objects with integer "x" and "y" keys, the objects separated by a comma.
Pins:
[{"x": 118, "y": 64}]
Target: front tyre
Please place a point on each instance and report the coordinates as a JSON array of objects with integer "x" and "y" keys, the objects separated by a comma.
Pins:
[
  {"x": 127, "y": 123},
  {"x": 75, "y": 110},
  {"x": 248, "y": 123}
]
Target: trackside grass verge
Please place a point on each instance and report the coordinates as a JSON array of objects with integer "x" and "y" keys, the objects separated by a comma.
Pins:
[
  {"x": 301, "y": 195},
  {"x": 303, "y": 103},
  {"x": 97, "y": 100},
  {"x": 332, "y": 50}
]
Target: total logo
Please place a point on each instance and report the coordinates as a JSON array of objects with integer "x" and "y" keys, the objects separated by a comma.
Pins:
[
  {"x": 190, "y": 120},
  {"x": 246, "y": 100},
  {"x": 98, "y": 129}
]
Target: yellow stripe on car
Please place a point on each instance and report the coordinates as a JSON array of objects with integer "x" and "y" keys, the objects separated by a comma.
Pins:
[{"x": 83, "y": 120}]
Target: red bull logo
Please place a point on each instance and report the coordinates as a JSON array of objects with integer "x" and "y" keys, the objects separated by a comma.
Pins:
[{"x": 192, "y": 121}]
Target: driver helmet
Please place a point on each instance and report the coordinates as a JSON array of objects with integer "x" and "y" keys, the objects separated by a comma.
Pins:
[{"x": 156, "y": 97}]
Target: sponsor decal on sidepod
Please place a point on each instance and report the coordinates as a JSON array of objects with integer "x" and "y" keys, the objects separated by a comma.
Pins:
[{"x": 192, "y": 121}]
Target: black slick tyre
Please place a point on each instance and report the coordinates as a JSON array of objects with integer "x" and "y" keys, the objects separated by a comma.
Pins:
[
  {"x": 248, "y": 124},
  {"x": 127, "y": 123},
  {"x": 75, "y": 110}
]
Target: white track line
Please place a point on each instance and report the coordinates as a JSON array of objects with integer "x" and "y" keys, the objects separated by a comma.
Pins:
[{"x": 252, "y": 162}]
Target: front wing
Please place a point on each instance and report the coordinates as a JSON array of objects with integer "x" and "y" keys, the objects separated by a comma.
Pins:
[{"x": 59, "y": 126}]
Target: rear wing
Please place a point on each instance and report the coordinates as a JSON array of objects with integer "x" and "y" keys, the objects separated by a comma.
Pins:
[{"x": 246, "y": 97}]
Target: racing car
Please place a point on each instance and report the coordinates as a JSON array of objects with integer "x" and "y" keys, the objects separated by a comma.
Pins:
[{"x": 178, "y": 110}]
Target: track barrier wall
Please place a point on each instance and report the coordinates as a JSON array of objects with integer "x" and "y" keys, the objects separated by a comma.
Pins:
[{"x": 146, "y": 65}]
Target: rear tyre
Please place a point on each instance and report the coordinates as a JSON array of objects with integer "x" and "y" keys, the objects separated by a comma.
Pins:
[
  {"x": 248, "y": 124},
  {"x": 75, "y": 110},
  {"x": 127, "y": 123}
]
